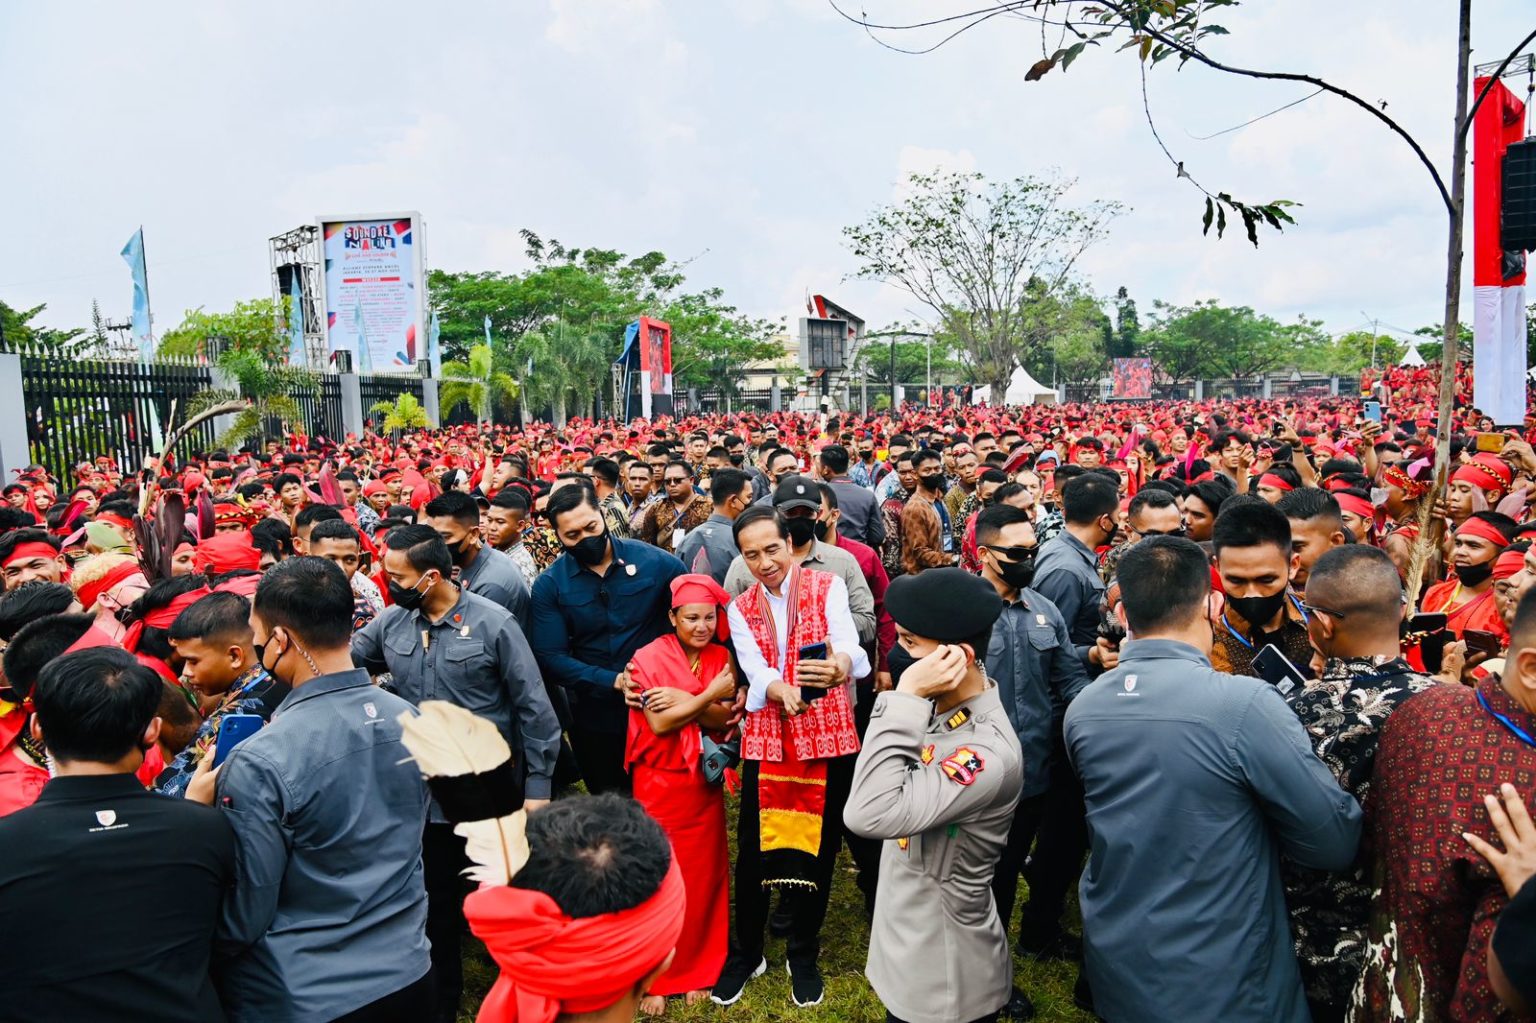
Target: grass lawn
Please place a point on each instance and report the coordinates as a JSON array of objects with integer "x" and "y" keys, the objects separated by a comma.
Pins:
[{"x": 844, "y": 942}]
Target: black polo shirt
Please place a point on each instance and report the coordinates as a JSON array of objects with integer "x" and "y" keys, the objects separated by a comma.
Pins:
[{"x": 109, "y": 895}]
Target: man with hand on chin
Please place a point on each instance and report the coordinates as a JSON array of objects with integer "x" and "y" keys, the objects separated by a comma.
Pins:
[{"x": 938, "y": 779}]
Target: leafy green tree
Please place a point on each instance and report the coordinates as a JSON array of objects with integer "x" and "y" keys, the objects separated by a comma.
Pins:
[
  {"x": 258, "y": 326},
  {"x": 477, "y": 383},
  {"x": 1432, "y": 347},
  {"x": 978, "y": 253},
  {"x": 916, "y": 353},
  {"x": 404, "y": 413},
  {"x": 1210, "y": 341},
  {"x": 266, "y": 386},
  {"x": 1351, "y": 352},
  {"x": 24, "y": 336},
  {"x": 714, "y": 345},
  {"x": 1127, "y": 331}
]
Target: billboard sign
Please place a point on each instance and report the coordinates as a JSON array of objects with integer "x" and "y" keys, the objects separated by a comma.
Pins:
[
  {"x": 374, "y": 285},
  {"x": 1132, "y": 379}
]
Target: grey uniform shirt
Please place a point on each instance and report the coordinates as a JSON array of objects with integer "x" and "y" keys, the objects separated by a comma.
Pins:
[
  {"x": 329, "y": 911},
  {"x": 1195, "y": 782},
  {"x": 714, "y": 538},
  {"x": 860, "y": 518},
  {"x": 1065, "y": 575},
  {"x": 475, "y": 656},
  {"x": 1037, "y": 671},
  {"x": 499, "y": 581},
  {"x": 861, "y": 600},
  {"x": 941, "y": 793}
]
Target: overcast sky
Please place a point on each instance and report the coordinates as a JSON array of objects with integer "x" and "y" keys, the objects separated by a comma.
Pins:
[{"x": 740, "y": 134}]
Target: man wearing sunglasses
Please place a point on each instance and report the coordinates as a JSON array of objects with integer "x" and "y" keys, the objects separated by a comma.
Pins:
[
  {"x": 1152, "y": 512},
  {"x": 1038, "y": 672}
]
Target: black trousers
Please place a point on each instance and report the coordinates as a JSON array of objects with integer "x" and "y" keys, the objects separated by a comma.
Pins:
[
  {"x": 1010, "y": 864},
  {"x": 601, "y": 756},
  {"x": 1060, "y": 847},
  {"x": 442, "y": 859},
  {"x": 808, "y": 910},
  {"x": 411, "y": 1004}
]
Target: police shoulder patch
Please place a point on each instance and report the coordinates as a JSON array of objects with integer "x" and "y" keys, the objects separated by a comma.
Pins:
[{"x": 963, "y": 765}]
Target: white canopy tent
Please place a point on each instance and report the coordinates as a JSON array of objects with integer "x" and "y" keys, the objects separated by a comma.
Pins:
[{"x": 1023, "y": 389}]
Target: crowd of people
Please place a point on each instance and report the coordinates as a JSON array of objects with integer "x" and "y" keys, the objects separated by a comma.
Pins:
[{"x": 1163, "y": 659}]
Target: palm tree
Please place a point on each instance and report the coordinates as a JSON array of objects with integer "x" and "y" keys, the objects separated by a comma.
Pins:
[
  {"x": 404, "y": 413},
  {"x": 568, "y": 361},
  {"x": 266, "y": 388},
  {"x": 478, "y": 384}
]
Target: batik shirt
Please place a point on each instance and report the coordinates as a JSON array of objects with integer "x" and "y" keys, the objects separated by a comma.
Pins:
[
  {"x": 1436, "y": 900},
  {"x": 1343, "y": 714},
  {"x": 542, "y": 544},
  {"x": 523, "y": 560},
  {"x": 255, "y": 692}
]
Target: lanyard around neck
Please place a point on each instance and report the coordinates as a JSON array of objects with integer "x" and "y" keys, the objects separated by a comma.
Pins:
[
  {"x": 1248, "y": 642},
  {"x": 1517, "y": 731}
]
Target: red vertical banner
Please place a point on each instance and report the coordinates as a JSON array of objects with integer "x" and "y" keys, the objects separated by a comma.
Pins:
[
  {"x": 1498, "y": 276},
  {"x": 655, "y": 340}
]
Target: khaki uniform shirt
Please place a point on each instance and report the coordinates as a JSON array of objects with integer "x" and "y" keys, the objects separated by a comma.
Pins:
[{"x": 941, "y": 793}]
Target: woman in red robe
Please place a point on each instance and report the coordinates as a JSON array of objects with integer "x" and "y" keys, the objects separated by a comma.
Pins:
[{"x": 687, "y": 686}]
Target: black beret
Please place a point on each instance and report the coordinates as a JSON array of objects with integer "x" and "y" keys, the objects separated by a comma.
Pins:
[{"x": 943, "y": 604}]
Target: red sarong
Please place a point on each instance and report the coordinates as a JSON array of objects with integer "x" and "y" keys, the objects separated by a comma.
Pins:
[{"x": 669, "y": 783}]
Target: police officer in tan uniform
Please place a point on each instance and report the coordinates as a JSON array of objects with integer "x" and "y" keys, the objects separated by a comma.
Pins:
[{"x": 937, "y": 780}]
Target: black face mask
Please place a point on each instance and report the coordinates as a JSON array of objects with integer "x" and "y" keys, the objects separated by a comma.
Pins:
[
  {"x": 1257, "y": 611},
  {"x": 821, "y": 530},
  {"x": 464, "y": 552},
  {"x": 408, "y": 597},
  {"x": 801, "y": 531},
  {"x": 1474, "y": 575},
  {"x": 934, "y": 483},
  {"x": 738, "y": 459},
  {"x": 1017, "y": 574},
  {"x": 589, "y": 550},
  {"x": 868, "y": 456},
  {"x": 898, "y": 660}
]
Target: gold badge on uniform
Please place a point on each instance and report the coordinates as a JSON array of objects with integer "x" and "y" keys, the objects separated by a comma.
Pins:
[
  {"x": 928, "y": 754},
  {"x": 957, "y": 719},
  {"x": 963, "y": 765}
]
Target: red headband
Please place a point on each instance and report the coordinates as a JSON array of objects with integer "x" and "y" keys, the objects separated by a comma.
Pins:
[
  {"x": 696, "y": 588},
  {"x": 1356, "y": 505},
  {"x": 1481, "y": 475},
  {"x": 225, "y": 552},
  {"x": 31, "y": 549},
  {"x": 162, "y": 618},
  {"x": 552, "y": 964},
  {"x": 1477, "y": 527},
  {"x": 1508, "y": 563},
  {"x": 1269, "y": 479},
  {"x": 1411, "y": 488},
  {"x": 90, "y": 592}
]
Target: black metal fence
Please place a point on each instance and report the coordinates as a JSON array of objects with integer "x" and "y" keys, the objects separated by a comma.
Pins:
[
  {"x": 386, "y": 387},
  {"x": 81, "y": 410},
  {"x": 319, "y": 402},
  {"x": 708, "y": 402}
]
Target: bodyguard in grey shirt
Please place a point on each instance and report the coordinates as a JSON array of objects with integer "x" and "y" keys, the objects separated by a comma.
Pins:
[
  {"x": 1195, "y": 783},
  {"x": 474, "y": 655},
  {"x": 456, "y": 517},
  {"x": 731, "y": 493},
  {"x": 329, "y": 910}
]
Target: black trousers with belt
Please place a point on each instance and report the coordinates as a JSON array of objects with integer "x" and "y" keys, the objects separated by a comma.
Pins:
[
  {"x": 601, "y": 757},
  {"x": 808, "y": 910}
]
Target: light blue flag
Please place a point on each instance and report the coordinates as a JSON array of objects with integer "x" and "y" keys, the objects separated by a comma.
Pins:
[
  {"x": 488, "y": 342},
  {"x": 296, "y": 356},
  {"x": 364, "y": 357},
  {"x": 143, "y": 335},
  {"x": 435, "y": 347}
]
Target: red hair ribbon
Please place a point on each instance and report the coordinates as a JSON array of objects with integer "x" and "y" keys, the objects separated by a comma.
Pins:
[
  {"x": 161, "y": 618},
  {"x": 552, "y": 964}
]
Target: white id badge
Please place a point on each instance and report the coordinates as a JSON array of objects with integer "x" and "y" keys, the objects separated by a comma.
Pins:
[{"x": 677, "y": 537}]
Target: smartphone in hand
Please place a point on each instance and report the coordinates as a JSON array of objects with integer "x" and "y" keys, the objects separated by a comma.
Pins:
[
  {"x": 813, "y": 652},
  {"x": 1276, "y": 669},
  {"x": 233, "y": 730}
]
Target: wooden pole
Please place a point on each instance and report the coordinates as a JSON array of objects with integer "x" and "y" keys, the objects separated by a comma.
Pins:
[{"x": 1431, "y": 528}]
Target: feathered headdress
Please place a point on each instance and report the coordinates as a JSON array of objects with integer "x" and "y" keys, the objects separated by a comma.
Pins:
[
  {"x": 469, "y": 768},
  {"x": 158, "y": 537}
]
